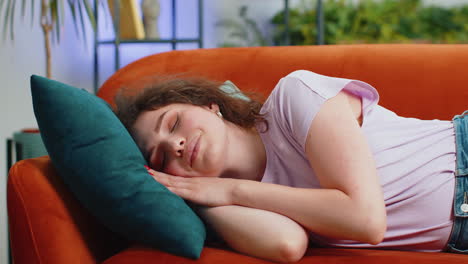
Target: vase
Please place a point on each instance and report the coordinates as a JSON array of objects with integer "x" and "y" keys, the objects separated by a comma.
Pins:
[{"x": 150, "y": 10}]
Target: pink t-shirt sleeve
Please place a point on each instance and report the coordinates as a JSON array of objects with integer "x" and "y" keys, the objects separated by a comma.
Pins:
[
  {"x": 299, "y": 97},
  {"x": 297, "y": 105}
]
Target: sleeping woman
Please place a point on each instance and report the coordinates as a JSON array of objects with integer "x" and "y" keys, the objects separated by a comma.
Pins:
[{"x": 319, "y": 161}]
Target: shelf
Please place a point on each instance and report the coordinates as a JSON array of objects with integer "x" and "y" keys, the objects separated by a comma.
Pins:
[
  {"x": 116, "y": 42},
  {"x": 133, "y": 41}
]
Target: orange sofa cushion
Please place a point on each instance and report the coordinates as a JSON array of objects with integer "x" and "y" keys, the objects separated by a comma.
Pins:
[
  {"x": 143, "y": 255},
  {"x": 424, "y": 81}
]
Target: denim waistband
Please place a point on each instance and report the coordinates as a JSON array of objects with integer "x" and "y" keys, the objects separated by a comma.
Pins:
[
  {"x": 460, "y": 123},
  {"x": 458, "y": 241}
]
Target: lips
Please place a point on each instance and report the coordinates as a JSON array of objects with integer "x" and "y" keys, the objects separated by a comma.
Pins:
[{"x": 192, "y": 150}]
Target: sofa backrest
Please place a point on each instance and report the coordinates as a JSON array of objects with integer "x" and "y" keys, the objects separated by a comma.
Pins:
[{"x": 417, "y": 80}]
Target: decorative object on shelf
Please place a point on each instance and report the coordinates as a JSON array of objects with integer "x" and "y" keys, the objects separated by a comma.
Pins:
[
  {"x": 25, "y": 144},
  {"x": 52, "y": 15},
  {"x": 172, "y": 41},
  {"x": 151, "y": 10},
  {"x": 31, "y": 141},
  {"x": 131, "y": 24},
  {"x": 242, "y": 33}
]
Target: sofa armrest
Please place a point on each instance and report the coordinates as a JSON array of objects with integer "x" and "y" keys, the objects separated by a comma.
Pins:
[{"x": 47, "y": 224}]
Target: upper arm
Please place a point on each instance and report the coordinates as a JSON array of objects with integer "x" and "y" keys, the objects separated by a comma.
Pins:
[{"x": 338, "y": 151}]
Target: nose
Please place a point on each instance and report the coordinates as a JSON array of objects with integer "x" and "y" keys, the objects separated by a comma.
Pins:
[{"x": 177, "y": 145}]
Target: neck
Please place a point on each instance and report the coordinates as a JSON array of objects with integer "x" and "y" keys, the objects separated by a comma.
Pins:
[{"x": 246, "y": 157}]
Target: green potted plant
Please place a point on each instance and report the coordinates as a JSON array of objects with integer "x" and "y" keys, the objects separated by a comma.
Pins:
[
  {"x": 243, "y": 31},
  {"x": 375, "y": 21},
  {"x": 51, "y": 14}
]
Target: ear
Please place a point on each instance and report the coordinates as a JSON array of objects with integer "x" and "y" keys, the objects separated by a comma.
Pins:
[{"x": 213, "y": 107}]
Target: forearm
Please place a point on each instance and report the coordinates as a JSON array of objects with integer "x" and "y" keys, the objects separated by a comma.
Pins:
[
  {"x": 328, "y": 212},
  {"x": 358, "y": 215},
  {"x": 257, "y": 232}
]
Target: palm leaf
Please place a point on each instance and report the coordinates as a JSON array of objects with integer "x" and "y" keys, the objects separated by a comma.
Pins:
[
  {"x": 60, "y": 16},
  {"x": 234, "y": 26},
  {"x": 80, "y": 11},
  {"x": 104, "y": 5},
  {"x": 23, "y": 8},
  {"x": 32, "y": 13},
  {"x": 240, "y": 35},
  {"x": 2, "y": 2},
  {"x": 5, "y": 24},
  {"x": 54, "y": 14},
  {"x": 229, "y": 23},
  {"x": 89, "y": 12},
  {"x": 259, "y": 39},
  {"x": 12, "y": 21},
  {"x": 62, "y": 13},
  {"x": 73, "y": 12},
  {"x": 56, "y": 11},
  {"x": 9, "y": 19}
]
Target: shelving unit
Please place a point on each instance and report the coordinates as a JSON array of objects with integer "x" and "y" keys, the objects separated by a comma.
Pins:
[{"x": 117, "y": 41}]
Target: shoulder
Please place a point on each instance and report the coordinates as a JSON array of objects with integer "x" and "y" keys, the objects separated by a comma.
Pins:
[
  {"x": 296, "y": 90},
  {"x": 325, "y": 86},
  {"x": 295, "y": 101}
]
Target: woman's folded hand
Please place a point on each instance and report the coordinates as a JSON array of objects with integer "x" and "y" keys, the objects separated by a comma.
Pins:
[{"x": 207, "y": 191}]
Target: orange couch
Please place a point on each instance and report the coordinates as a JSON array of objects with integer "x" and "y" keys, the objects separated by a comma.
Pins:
[{"x": 48, "y": 225}]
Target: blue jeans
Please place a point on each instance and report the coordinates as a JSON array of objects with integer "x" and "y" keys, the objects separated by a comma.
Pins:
[{"x": 458, "y": 241}]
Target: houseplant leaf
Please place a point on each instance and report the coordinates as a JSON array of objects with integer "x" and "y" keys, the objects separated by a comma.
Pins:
[{"x": 52, "y": 14}]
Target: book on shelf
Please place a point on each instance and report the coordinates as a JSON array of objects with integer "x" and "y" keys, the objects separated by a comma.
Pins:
[{"x": 131, "y": 23}]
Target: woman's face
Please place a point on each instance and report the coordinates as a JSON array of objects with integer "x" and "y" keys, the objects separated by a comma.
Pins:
[{"x": 183, "y": 140}]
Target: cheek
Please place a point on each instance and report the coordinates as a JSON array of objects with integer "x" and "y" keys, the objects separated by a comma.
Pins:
[
  {"x": 216, "y": 156},
  {"x": 201, "y": 120},
  {"x": 190, "y": 121}
]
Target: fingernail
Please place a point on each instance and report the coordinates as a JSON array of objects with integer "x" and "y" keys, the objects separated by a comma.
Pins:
[{"x": 148, "y": 169}]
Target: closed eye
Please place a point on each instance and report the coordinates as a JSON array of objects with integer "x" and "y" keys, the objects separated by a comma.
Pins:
[{"x": 176, "y": 123}]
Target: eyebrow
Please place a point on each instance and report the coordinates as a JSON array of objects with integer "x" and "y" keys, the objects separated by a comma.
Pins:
[{"x": 158, "y": 123}]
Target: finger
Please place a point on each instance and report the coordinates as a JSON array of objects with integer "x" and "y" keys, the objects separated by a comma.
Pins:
[
  {"x": 172, "y": 181},
  {"x": 183, "y": 193},
  {"x": 161, "y": 179},
  {"x": 151, "y": 171},
  {"x": 180, "y": 182}
]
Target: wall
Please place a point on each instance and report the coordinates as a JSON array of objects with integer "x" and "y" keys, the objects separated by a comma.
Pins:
[
  {"x": 72, "y": 63},
  {"x": 18, "y": 61}
]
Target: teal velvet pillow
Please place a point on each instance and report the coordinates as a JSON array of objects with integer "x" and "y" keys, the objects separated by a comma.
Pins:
[{"x": 100, "y": 163}]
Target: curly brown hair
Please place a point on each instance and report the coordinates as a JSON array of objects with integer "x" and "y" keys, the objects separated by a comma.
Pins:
[{"x": 158, "y": 92}]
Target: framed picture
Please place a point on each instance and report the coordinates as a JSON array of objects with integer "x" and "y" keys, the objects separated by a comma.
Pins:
[{"x": 131, "y": 23}]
